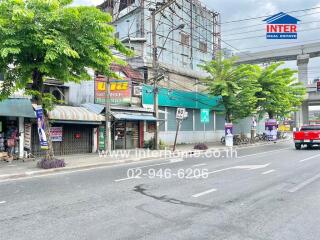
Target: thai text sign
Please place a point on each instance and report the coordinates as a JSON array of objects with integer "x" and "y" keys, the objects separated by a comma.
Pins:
[
  {"x": 27, "y": 135},
  {"x": 56, "y": 134},
  {"x": 120, "y": 91}
]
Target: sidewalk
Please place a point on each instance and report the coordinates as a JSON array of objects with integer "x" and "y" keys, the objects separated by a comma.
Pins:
[{"x": 20, "y": 169}]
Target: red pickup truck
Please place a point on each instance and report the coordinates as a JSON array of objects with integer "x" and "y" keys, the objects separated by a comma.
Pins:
[{"x": 308, "y": 135}]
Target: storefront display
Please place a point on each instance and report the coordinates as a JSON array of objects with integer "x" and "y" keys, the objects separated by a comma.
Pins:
[
  {"x": 119, "y": 135},
  {"x": 2, "y": 146},
  {"x": 271, "y": 127},
  {"x": 9, "y": 137}
]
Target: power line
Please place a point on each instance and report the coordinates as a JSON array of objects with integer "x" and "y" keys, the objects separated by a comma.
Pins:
[
  {"x": 260, "y": 24},
  {"x": 258, "y": 30},
  {"x": 258, "y": 36},
  {"x": 252, "y": 18}
]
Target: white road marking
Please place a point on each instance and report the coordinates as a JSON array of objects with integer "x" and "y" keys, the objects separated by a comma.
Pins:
[
  {"x": 204, "y": 193},
  {"x": 248, "y": 167},
  {"x": 175, "y": 160},
  {"x": 124, "y": 179},
  {"x": 267, "y": 172},
  {"x": 251, "y": 167},
  {"x": 199, "y": 165},
  {"x": 305, "y": 183},
  {"x": 309, "y": 158},
  {"x": 254, "y": 154},
  {"x": 1, "y": 202}
]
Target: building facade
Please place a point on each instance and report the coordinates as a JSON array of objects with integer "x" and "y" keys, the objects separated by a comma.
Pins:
[{"x": 187, "y": 47}]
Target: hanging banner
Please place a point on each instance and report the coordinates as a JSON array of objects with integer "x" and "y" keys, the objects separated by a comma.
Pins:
[
  {"x": 27, "y": 135},
  {"x": 41, "y": 128},
  {"x": 56, "y": 134},
  {"x": 101, "y": 139},
  {"x": 271, "y": 128},
  {"x": 228, "y": 129}
]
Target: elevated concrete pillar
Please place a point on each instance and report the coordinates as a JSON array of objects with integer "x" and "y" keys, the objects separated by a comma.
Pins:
[
  {"x": 302, "y": 63},
  {"x": 302, "y": 116}
]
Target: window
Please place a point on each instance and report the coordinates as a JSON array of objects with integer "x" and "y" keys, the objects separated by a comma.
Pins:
[
  {"x": 125, "y": 3},
  {"x": 185, "y": 39},
  {"x": 57, "y": 94},
  {"x": 1, "y": 77},
  {"x": 187, "y": 124},
  {"x": 203, "y": 46}
]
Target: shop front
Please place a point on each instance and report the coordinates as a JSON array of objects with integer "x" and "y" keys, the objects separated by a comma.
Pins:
[
  {"x": 16, "y": 114},
  {"x": 73, "y": 131},
  {"x": 127, "y": 131}
]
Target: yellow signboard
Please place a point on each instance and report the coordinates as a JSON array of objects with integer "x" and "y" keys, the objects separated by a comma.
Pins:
[
  {"x": 114, "y": 86},
  {"x": 120, "y": 91},
  {"x": 284, "y": 128}
]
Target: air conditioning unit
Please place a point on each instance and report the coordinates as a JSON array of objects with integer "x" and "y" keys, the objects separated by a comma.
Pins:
[{"x": 137, "y": 90}]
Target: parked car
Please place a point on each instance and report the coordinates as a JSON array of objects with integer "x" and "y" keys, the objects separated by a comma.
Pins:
[{"x": 308, "y": 135}]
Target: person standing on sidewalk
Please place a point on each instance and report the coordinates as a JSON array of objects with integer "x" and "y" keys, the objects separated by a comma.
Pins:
[{"x": 12, "y": 133}]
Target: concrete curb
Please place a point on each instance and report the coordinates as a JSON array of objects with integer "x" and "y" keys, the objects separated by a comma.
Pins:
[
  {"x": 66, "y": 169},
  {"x": 121, "y": 162}
]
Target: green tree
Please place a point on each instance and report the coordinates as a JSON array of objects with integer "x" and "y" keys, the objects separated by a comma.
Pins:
[
  {"x": 236, "y": 84},
  {"x": 42, "y": 39},
  {"x": 281, "y": 93}
]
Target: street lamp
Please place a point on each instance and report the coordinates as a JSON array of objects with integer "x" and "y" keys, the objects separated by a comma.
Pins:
[{"x": 180, "y": 26}]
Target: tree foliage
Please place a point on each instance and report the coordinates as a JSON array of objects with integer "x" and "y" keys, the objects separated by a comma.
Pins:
[
  {"x": 50, "y": 38},
  {"x": 42, "y": 39},
  {"x": 236, "y": 84},
  {"x": 281, "y": 93}
]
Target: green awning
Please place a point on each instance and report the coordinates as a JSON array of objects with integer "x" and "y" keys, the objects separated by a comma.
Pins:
[
  {"x": 179, "y": 98},
  {"x": 17, "y": 107}
]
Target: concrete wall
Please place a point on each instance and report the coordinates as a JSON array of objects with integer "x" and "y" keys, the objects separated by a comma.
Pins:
[
  {"x": 187, "y": 136},
  {"x": 191, "y": 136}
]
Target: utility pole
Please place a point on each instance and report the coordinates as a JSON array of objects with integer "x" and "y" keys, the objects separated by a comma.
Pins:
[
  {"x": 155, "y": 68},
  {"x": 108, "y": 118},
  {"x": 191, "y": 34},
  {"x": 155, "y": 79},
  {"x": 176, "y": 137},
  {"x": 216, "y": 34}
]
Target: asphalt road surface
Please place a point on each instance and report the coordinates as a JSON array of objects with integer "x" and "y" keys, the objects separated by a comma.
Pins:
[{"x": 266, "y": 192}]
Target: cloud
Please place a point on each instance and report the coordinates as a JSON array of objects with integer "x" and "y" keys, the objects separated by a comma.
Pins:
[
  {"x": 87, "y": 2},
  {"x": 230, "y": 10}
]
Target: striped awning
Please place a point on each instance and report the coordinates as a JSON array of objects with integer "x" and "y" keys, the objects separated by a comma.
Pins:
[
  {"x": 133, "y": 116},
  {"x": 74, "y": 114}
]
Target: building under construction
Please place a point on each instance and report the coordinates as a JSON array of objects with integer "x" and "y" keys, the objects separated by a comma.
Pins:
[{"x": 187, "y": 34}]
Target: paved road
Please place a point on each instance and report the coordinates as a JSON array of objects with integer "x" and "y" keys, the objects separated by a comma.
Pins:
[{"x": 267, "y": 192}]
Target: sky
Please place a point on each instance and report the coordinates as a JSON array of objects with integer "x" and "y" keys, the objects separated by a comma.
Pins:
[
  {"x": 236, "y": 33},
  {"x": 308, "y": 27}
]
